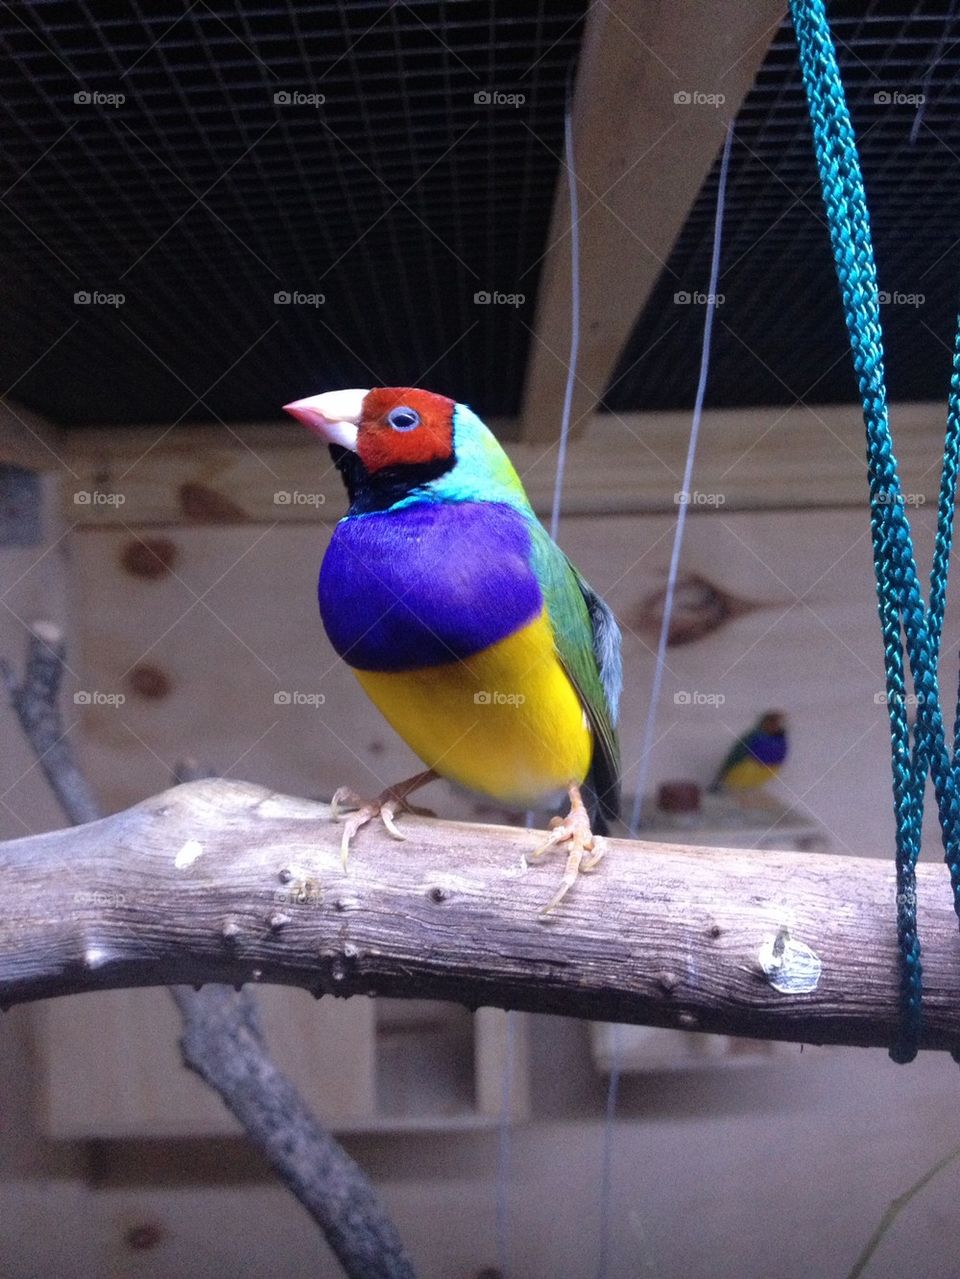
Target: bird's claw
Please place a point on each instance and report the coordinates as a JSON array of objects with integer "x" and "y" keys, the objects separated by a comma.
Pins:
[
  {"x": 585, "y": 851},
  {"x": 355, "y": 813},
  {"x": 344, "y": 800}
]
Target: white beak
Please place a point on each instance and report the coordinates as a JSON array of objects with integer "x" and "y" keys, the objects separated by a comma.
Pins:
[{"x": 334, "y": 416}]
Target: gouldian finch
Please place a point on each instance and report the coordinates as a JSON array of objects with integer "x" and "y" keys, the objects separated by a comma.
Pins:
[
  {"x": 756, "y": 757},
  {"x": 463, "y": 621}
]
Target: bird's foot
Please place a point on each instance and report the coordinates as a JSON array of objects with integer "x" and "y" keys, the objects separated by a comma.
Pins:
[
  {"x": 584, "y": 848},
  {"x": 347, "y": 806}
]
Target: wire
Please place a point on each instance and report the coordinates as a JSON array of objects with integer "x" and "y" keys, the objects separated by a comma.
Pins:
[
  {"x": 574, "y": 316},
  {"x": 505, "y": 1148},
  {"x": 613, "y": 1085},
  {"x": 684, "y": 501}
]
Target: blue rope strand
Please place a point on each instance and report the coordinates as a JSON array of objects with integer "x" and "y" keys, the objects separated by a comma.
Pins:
[{"x": 899, "y": 597}]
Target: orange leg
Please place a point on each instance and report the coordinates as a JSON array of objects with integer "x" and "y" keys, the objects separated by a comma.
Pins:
[
  {"x": 386, "y": 806},
  {"x": 585, "y": 848}
]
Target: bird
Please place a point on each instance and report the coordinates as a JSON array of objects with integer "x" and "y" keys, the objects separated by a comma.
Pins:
[
  {"x": 463, "y": 621},
  {"x": 756, "y": 757}
]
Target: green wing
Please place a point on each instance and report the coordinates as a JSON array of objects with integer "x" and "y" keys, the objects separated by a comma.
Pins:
[
  {"x": 738, "y": 751},
  {"x": 587, "y": 639}
]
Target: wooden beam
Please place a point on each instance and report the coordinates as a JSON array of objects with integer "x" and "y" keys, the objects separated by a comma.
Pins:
[
  {"x": 30, "y": 441},
  {"x": 656, "y": 86},
  {"x": 182, "y": 888},
  {"x": 748, "y": 459}
]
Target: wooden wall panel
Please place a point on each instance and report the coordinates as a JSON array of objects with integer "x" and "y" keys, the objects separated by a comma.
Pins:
[{"x": 211, "y": 643}]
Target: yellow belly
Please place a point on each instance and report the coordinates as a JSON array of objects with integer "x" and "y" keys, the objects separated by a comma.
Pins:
[
  {"x": 748, "y": 775},
  {"x": 506, "y": 722}
]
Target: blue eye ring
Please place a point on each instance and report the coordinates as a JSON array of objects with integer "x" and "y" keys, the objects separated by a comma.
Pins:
[{"x": 403, "y": 418}]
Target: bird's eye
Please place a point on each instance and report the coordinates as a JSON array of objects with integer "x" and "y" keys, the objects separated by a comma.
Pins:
[{"x": 403, "y": 418}]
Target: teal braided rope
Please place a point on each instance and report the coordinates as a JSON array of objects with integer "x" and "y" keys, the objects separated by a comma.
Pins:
[{"x": 899, "y": 599}]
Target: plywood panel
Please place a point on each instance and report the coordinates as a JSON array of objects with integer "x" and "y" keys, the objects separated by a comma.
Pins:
[
  {"x": 111, "y": 1063},
  {"x": 747, "y": 459},
  {"x": 235, "y": 623},
  {"x": 32, "y": 588}
]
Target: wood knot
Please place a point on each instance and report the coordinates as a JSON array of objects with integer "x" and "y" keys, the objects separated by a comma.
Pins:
[
  {"x": 144, "y": 1236},
  {"x": 699, "y": 609},
  {"x": 149, "y": 681},
  {"x": 438, "y": 894},
  {"x": 149, "y": 557},
  {"x": 204, "y": 504},
  {"x": 668, "y": 981},
  {"x": 714, "y": 931}
]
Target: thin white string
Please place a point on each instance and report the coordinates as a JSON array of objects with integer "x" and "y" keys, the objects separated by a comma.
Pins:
[
  {"x": 613, "y": 1085},
  {"x": 684, "y": 500},
  {"x": 574, "y": 319},
  {"x": 504, "y": 1150}
]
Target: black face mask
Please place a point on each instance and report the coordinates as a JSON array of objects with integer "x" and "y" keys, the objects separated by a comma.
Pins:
[{"x": 390, "y": 485}]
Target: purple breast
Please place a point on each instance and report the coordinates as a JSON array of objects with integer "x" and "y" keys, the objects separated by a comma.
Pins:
[
  {"x": 769, "y": 749},
  {"x": 427, "y": 584}
]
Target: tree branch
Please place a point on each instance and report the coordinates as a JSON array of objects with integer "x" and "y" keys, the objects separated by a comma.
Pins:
[
  {"x": 228, "y": 882},
  {"x": 222, "y": 1040},
  {"x": 223, "y": 1044},
  {"x": 36, "y": 703}
]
